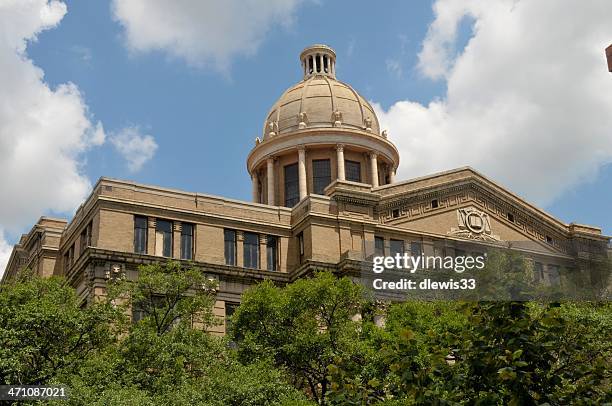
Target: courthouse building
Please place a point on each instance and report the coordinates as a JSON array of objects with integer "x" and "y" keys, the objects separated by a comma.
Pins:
[{"x": 324, "y": 196}]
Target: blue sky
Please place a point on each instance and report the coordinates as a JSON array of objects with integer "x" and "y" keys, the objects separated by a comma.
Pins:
[{"x": 204, "y": 116}]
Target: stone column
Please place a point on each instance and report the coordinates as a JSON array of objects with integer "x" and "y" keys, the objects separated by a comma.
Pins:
[
  {"x": 302, "y": 172},
  {"x": 315, "y": 63},
  {"x": 239, "y": 249},
  {"x": 177, "y": 226},
  {"x": 374, "y": 169},
  {"x": 263, "y": 252},
  {"x": 340, "y": 158},
  {"x": 392, "y": 175},
  {"x": 152, "y": 225},
  {"x": 270, "y": 175},
  {"x": 255, "y": 180}
]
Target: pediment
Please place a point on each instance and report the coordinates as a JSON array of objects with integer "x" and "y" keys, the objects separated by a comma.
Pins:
[{"x": 470, "y": 207}]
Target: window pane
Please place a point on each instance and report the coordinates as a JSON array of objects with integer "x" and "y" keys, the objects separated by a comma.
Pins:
[
  {"x": 187, "y": 241},
  {"x": 396, "y": 247},
  {"x": 271, "y": 253},
  {"x": 321, "y": 175},
  {"x": 292, "y": 193},
  {"x": 379, "y": 246},
  {"x": 230, "y": 246},
  {"x": 415, "y": 249},
  {"x": 251, "y": 250},
  {"x": 352, "y": 171},
  {"x": 140, "y": 235},
  {"x": 163, "y": 236}
]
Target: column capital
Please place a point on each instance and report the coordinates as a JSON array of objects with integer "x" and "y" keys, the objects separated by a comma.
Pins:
[
  {"x": 339, "y": 147},
  {"x": 301, "y": 148},
  {"x": 373, "y": 154}
]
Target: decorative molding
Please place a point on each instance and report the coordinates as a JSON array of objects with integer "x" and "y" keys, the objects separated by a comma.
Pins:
[
  {"x": 474, "y": 225},
  {"x": 417, "y": 204}
]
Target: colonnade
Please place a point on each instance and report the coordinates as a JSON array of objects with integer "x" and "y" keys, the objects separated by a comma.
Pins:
[{"x": 302, "y": 179}]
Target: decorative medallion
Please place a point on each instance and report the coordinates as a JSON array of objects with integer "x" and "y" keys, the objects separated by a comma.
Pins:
[{"x": 473, "y": 224}]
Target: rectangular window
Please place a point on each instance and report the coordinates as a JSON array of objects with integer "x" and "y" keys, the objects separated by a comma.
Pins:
[
  {"x": 292, "y": 192},
  {"x": 163, "y": 238},
  {"x": 538, "y": 271},
  {"x": 321, "y": 175},
  {"x": 554, "y": 275},
  {"x": 187, "y": 241},
  {"x": 272, "y": 252},
  {"x": 230, "y": 309},
  {"x": 230, "y": 246},
  {"x": 140, "y": 234},
  {"x": 352, "y": 171},
  {"x": 300, "y": 238},
  {"x": 85, "y": 238},
  {"x": 251, "y": 250},
  {"x": 396, "y": 247},
  {"x": 416, "y": 249},
  {"x": 379, "y": 246}
]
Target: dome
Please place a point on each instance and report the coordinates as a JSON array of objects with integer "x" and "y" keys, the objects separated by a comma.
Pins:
[{"x": 319, "y": 100}]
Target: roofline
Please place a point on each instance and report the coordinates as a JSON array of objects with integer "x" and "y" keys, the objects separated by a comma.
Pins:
[{"x": 497, "y": 185}]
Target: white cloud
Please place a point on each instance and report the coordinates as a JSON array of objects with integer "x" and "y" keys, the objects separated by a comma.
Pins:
[
  {"x": 5, "y": 252},
  {"x": 135, "y": 147},
  {"x": 43, "y": 132},
  {"x": 528, "y": 100},
  {"x": 203, "y": 32}
]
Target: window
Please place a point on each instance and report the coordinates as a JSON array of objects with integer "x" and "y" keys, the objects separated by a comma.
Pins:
[
  {"x": 549, "y": 239},
  {"x": 511, "y": 217},
  {"x": 251, "y": 250},
  {"x": 538, "y": 271},
  {"x": 230, "y": 309},
  {"x": 352, "y": 171},
  {"x": 69, "y": 258},
  {"x": 300, "y": 238},
  {"x": 321, "y": 175},
  {"x": 434, "y": 204},
  {"x": 85, "y": 238},
  {"x": 271, "y": 252},
  {"x": 396, "y": 247},
  {"x": 163, "y": 238},
  {"x": 140, "y": 234},
  {"x": 230, "y": 246},
  {"x": 187, "y": 241},
  {"x": 379, "y": 246},
  {"x": 292, "y": 193},
  {"x": 554, "y": 276},
  {"x": 416, "y": 249},
  {"x": 395, "y": 213},
  {"x": 137, "y": 313}
]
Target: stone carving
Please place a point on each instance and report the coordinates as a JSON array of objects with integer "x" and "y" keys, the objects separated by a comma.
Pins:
[
  {"x": 257, "y": 141},
  {"x": 302, "y": 120},
  {"x": 384, "y": 133},
  {"x": 368, "y": 124},
  {"x": 473, "y": 224},
  {"x": 272, "y": 128},
  {"x": 337, "y": 118}
]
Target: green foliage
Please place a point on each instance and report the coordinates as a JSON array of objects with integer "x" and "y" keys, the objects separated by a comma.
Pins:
[
  {"x": 314, "y": 337},
  {"x": 44, "y": 332},
  {"x": 169, "y": 294},
  {"x": 306, "y": 328}
]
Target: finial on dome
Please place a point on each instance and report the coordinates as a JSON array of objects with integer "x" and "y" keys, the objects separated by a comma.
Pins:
[{"x": 318, "y": 60}]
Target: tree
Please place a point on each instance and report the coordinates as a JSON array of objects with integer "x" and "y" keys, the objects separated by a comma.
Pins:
[
  {"x": 44, "y": 332},
  {"x": 305, "y": 328},
  {"x": 168, "y": 294},
  {"x": 168, "y": 357}
]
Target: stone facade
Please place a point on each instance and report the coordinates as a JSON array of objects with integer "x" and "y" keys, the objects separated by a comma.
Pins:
[{"x": 121, "y": 224}]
